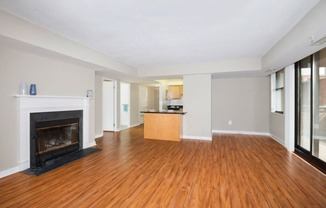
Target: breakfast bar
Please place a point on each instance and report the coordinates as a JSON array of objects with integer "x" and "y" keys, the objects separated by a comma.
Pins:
[{"x": 163, "y": 125}]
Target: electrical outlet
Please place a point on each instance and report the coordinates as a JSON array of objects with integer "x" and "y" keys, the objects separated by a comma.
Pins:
[{"x": 230, "y": 122}]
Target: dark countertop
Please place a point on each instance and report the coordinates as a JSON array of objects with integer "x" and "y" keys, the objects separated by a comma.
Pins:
[{"x": 165, "y": 112}]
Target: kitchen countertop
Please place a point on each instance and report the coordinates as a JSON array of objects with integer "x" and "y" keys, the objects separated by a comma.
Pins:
[{"x": 165, "y": 112}]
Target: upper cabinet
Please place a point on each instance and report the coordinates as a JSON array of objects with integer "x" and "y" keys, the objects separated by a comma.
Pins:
[{"x": 175, "y": 92}]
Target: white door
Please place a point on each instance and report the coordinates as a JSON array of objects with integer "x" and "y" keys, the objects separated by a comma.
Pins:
[{"x": 108, "y": 105}]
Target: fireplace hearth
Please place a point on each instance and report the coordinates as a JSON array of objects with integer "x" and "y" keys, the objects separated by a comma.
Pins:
[{"x": 54, "y": 135}]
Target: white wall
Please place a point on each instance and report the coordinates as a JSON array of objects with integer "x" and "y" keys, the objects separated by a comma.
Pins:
[
  {"x": 197, "y": 103},
  {"x": 52, "y": 75},
  {"x": 277, "y": 127},
  {"x": 296, "y": 44},
  {"x": 289, "y": 112},
  {"x": 243, "y": 101},
  {"x": 229, "y": 65}
]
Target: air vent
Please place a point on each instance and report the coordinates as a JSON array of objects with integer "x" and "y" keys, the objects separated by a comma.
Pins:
[{"x": 318, "y": 42}]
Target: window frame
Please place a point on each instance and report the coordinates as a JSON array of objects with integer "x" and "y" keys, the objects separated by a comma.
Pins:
[{"x": 277, "y": 92}]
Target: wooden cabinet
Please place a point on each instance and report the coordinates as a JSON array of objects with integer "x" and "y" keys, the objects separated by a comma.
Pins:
[
  {"x": 163, "y": 126},
  {"x": 175, "y": 92}
]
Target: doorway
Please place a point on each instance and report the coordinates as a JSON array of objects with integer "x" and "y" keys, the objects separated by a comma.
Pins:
[
  {"x": 108, "y": 105},
  {"x": 124, "y": 105},
  {"x": 149, "y": 100}
]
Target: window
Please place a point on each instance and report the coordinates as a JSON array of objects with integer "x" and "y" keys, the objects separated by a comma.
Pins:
[{"x": 277, "y": 92}]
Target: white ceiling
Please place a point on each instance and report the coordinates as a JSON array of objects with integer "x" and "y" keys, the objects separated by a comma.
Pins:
[{"x": 145, "y": 33}]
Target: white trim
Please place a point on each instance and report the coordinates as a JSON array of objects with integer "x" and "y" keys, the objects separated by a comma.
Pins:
[
  {"x": 289, "y": 110},
  {"x": 99, "y": 135},
  {"x": 241, "y": 132},
  {"x": 197, "y": 137},
  {"x": 50, "y": 96},
  {"x": 277, "y": 139},
  {"x": 278, "y": 114},
  {"x": 273, "y": 99},
  {"x": 9, "y": 171},
  {"x": 121, "y": 129},
  {"x": 134, "y": 125},
  {"x": 91, "y": 144},
  {"x": 319, "y": 137},
  {"x": 114, "y": 85}
]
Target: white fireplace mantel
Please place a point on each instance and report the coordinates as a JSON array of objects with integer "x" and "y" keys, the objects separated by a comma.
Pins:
[{"x": 32, "y": 104}]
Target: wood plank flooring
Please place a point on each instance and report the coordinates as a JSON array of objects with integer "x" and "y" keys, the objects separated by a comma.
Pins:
[{"x": 130, "y": 171}]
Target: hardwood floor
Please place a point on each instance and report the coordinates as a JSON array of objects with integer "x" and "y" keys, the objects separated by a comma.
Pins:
[{"x": 230, "y": 171}]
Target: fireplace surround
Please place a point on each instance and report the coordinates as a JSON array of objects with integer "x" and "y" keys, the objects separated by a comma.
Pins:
[{"x": 41, "y": 104}]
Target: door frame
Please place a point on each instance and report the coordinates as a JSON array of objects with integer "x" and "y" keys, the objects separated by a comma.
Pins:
[
  {"x": 115, "y": 126},
  {"x": 129, "y": 106}
]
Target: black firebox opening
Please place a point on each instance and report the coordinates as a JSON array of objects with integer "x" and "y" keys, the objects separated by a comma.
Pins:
[{"x": 53, "y": 135}]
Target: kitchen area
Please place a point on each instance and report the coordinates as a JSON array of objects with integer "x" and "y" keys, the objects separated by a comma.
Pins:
[
  {"x": 174, "y": 97},
  {"x": 165, "y": 122}
]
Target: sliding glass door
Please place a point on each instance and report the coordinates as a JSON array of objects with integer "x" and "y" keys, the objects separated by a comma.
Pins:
[
  {"x": 311, "y": 108},
  {"x": 304, "y": 102},
  {"x": 319, "y": 107}
]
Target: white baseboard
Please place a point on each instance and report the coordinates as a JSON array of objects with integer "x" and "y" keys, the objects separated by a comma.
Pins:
[
  {"x": 131, "y": 126},
  {"x": 134, "y": 125},
  {"x": 24, "y": 164},
  {"x": 91, "y": 144},
  {"x": 9, "y": 171},
  {"x": 121, "y": 129},
  {"x": 241, "y": 132},
  {"x": 197, "y": 137},
  {"x": 98, "y": 135},
  {"x": 277, "y": 139}
]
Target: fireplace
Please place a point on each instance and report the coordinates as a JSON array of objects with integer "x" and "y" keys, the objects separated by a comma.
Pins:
[
  {"x": 29, "y": 105},
  {"x": 54, "y": 135}
]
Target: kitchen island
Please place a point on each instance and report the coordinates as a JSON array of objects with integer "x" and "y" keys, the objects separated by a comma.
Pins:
[{"x": 163, "y": 125}]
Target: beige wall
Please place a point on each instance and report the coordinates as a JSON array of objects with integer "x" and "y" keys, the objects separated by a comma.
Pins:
[
  {"x": 134, "y": 104},
  {"x": 98, "y": 106},
  {"x": 150, "y": 98},
  {"x": 53, "y": 76},
  {"x": 244, "y": 101},
  {"x": 197, "y": 103}
]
